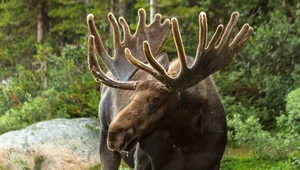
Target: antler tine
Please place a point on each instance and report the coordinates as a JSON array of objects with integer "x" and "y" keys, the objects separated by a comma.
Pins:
[
  {"x": 157, "y": 70},
  {"x": 140, "y": 64},
  {"x": 156, "y": 42},
  {"x": 208, "y": 59},
  {"x": 211, "y": 58},
  {"x": 142, "y": 19},
  {"x": 155, "y": 33},
  {"x": 215, "y": 37},
  {"x": 232, "y": 22},
  {"x": 203, "y": 38},
  {"x": 125, "y": 27},
  {"x": 99, "y": 44},
  {"x": 202, "y": 31},
  {"x": 98, "y": 74},
  {"x": 179, "y": 47},
  {"x": 242, "y": 37},
  {"x": 153, "y": 62},
  {"x": 116, "y": 33},
  {"x": 157, "y": 18}
]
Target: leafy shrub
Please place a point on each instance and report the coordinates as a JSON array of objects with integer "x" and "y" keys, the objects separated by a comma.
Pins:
[
  {"x": 289, "y": 125},
  {"x": 266, "y": 69},
  {"x": 290, "y": 122},
  {"x": 249, "y": 133},
  {"x": 234, "y": 106},
  {"x": 59, "y": 86},
  {"x": 236, "y": 163},
  {"x": 23, "y": 85},
  {"x": 34, "y": 110},
  {"x": 77, "y": 89}
]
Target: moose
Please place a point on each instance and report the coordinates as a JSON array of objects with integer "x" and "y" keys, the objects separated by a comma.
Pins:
[{"x": 156, "y": 114}]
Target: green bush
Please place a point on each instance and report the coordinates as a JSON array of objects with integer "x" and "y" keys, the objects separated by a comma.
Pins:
[
  {"x": 59, "y": 86},
  {"x": 266, "y": 69},
  {"x": 250, "y": 134},
  {"x": 23, "y": 84},
  {"x": 248, "y": 131},
  {"x": 68, "y": 73},
  {"x": 290, "y": 122},
  {"x": 34, "y": 110},
  {"x": 236, "y": 163}
]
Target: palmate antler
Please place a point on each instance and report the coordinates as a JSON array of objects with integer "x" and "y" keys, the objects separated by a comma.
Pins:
[
  {"x": 155, "y": 33},
  {"x": 209, "y": 58}
]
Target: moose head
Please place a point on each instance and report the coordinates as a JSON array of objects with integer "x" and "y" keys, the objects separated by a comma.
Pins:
[{"x": 158, "y": 96}]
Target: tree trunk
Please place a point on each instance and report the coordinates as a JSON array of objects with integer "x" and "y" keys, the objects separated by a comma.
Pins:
[
  {"x": 192, "y": 3},
  {"x": 41, "y": 28},
  {"x": 40, "y": 21},
  {"x": 152, "y": 9},
  {"x": 122, "y": 9}
]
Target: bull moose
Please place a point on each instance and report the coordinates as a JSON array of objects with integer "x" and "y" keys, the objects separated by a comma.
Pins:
[{"x": 157, "y": 114}]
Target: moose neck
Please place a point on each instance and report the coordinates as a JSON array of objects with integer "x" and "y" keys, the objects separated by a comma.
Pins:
[{"x": 186, "y": 111}]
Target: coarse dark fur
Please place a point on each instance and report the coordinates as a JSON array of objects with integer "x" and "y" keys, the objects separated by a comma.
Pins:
[{"x": 162, "y": 129}]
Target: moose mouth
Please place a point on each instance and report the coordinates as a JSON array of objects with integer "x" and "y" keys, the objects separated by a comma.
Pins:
[{"x": 129, "y": 145}]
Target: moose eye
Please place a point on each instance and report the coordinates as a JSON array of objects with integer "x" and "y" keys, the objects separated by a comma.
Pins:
[
  {"x": 154, "y": 104},
  {"x": 155, "y": 100}
]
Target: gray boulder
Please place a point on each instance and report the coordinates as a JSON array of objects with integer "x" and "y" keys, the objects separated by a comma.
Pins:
[{"x": 52, "y": 145}]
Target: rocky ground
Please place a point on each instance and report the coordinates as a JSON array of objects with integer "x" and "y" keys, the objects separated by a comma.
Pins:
[{"x": 58, "y": 144}]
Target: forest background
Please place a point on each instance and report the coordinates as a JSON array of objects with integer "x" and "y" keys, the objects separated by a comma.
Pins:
[{"x": 44, "y": 75}]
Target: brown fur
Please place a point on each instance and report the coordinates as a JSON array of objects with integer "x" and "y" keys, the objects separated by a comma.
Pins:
[
  {"x": 176, "y": 122},
  {"x": 189, "y": 125}
]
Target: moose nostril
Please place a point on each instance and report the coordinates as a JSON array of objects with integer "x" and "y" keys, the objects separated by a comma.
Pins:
[
  {"x": 116, "y": 130},
  {"x": 121, "y": 129}
]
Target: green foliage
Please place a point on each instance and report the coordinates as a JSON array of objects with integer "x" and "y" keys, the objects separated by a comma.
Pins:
[
  {"x": 2, "y": 168},
  {"x": 63, "y": 22},
  {"x": 21, "y": 91},
  {"x": 123, "y": 168},
  {"x": 97, "y": 167},
  {"x": 68, "y": 19},
  {"x": 268, "y": 66},
  {"x": 60, "y": 89},
  {"x": 34, "y": 110},
  {"x": 283, "y": 145},
  {"x": 69, "y": 75},
  {"x": 93, "y": 127},
  {"x": 50, "y": 79},
  {"x": 290, "y": 122},
  {"x": 16, "y": 33},
  {"x": 249, "y": 133},
  {"x": 237, "y": 107},
  {"x": 38, "y": 162},
  {"x": 279, "y": 61},
  {"x": 240, "y": 163},
  {"x": 266, "y": 70}
]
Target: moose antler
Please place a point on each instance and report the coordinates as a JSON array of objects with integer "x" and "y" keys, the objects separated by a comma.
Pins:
[
  {"x": 155, "y": 33},
  {"x": 99, "y": 75},
  {"x": 209, "y": 58}
]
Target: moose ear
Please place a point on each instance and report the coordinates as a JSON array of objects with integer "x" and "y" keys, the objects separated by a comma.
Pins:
[{"x": 163, "y": 59}]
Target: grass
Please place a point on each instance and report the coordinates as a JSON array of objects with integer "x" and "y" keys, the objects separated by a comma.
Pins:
[
  {"x": 250, "y": 163},
  {"x": 243, "y": 159},
  {"x": 123, "y": 166}
]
